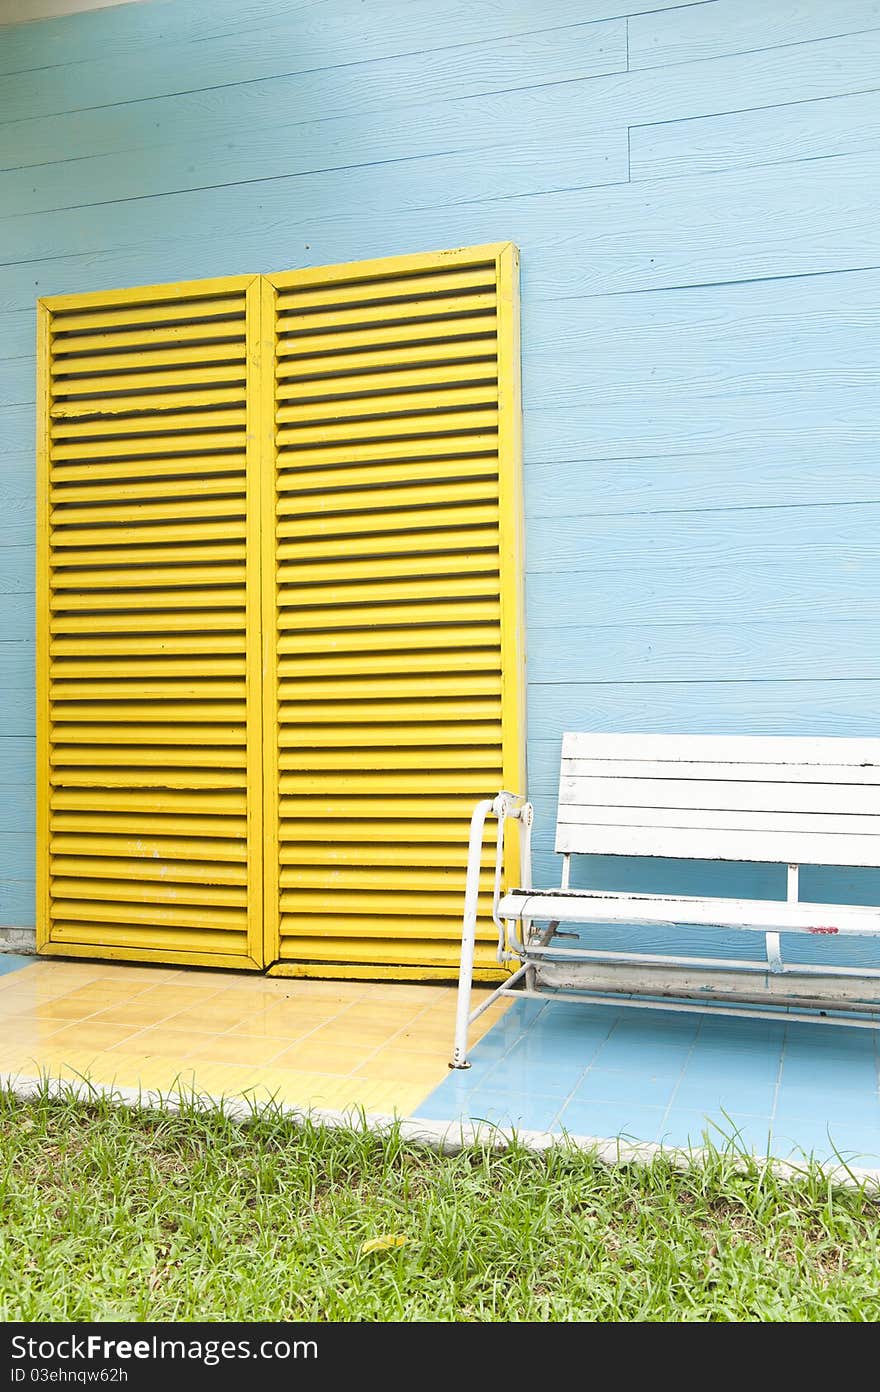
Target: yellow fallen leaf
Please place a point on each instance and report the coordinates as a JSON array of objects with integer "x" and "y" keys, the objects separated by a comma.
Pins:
[{"x": 384, "y": 1243}]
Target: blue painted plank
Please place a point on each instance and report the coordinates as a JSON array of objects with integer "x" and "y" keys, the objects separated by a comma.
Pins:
[
  {"x": 790, "y": 74},
  {"x": 16, "y": 759},
  {"x": 624, "y": 237},
  {"x": 716, "y": 651},
  {"x": 457, "y": 69},
  {"x": 411, "y": 187},
  {"x": 17, "y": 808},
  {"x": 16, "y": 665},
  {"x": 17, "y": 434},
  {"x": 747, "y": 477},
  {"x": 782, "y": 590},
  {"x": 739, "y": 539},
  {"x": 696, "y": 32},
  {"x": 17, "y": 524},
  {"x": 505, "y": 170},
  {"x": 17, "y": 332},
  {"x": 812, "y": 707},
  {"x": 17, "y": 854},
  {"x": 806, "y": 130},
  {"x": 17, "y": 618},
  {"x": 19, "y": 717},
  {"x": 348, "y": 29},
  {"x": 673, "y": 423},
  {"x": 17, "y": 570},
  {"x": 17, "y": 903},
  {"x": 809, "y": 331},
  {"x": 17, "y": 381}
]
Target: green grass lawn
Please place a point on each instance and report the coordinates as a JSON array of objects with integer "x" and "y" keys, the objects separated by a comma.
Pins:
[{"x": 110, "y": 1213}]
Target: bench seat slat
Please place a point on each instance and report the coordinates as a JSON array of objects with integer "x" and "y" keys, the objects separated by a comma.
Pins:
[
  {"x": 721, "y": 819},
  {"x": 745, "y": 797},
  {"x": 697, "y": 770},
  {"x": 675, "y": 843},
  {"x": 762, "y": 915},
  {"x": 771, "y": 749}
]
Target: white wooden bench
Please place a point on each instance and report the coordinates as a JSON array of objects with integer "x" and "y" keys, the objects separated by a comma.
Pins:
[{"x": 788, "y": 800}]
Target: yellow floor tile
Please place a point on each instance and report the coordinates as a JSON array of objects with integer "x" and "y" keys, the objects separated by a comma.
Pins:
[
  {"x": 67, "y": 1063},
  {"x": 321, "y": 1058},
  {"x": 223, "y": 1079},
  {"x": 95, "y": 995},
  {"x": 149, "y": 974},
  {"x": 91, "y": 1034},
  {"x": 139, "y": 1014},
  {"x": 29, "y": 1030},
  {"x": 370, "y": 1095},
  {"x": 149, "y": 1075},
  {"x": 178, "y": 998},
  {"x": 224, "y": 1048},
  {"x": 212, "y": 1019},
  {"x": 424, "y": 1038},
  {"x": 382, "y": 1013},
  {"x": 59, "y": 1008},
  {"x": 360, "y": 1035},
  {"x": 285, "y": 1024},
  {"x": 342, "y": 992},
  {"x": 418, "y": 994},
  {"x": 396, "y": 1065},
  {"x": 159, "y": 1042}
]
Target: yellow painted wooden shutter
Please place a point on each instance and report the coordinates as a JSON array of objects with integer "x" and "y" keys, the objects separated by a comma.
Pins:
[
  {"x": 148, "y": 625},
  {"x": 392, "y": 580}
]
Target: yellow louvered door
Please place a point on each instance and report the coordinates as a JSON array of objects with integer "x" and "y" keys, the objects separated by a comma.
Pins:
[
  {"x": 392, "y": 612},
  {"x": 149, "y": 835}
]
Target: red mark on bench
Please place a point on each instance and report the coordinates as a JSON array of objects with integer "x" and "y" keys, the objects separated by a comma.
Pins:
[{"x": 823, "y": 930}]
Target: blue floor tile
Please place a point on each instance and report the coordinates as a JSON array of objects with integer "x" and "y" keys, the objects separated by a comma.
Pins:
[
  {"x": 547, "y": 1076},
  {"x": 687, "y": 1126},
  {"x": 490, "y": 1047},
  {"x": 511, "y": 1108},
  {"x": 610, "y": 1119},
  {"x": 841, "y": 1111},
  {"x": 758, "y": 1067},
  {"x": 446, "y": 1102},
  {"x": 858, "y": 1075},
  {"x": 732, "y": 1029},
  {"x": 665, "y": 1057},
  {"x": 742, "y": 1095},
  {"x": 853, "y": 1145},
  {"x": 824, "y": 1039},
  {"x": 607, "y": 1085}
]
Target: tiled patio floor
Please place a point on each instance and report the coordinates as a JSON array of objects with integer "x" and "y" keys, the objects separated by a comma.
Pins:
[
  {"x": 594, "y": 1071},
  {"x": 324, "y": 1044},
  {"x": 667, "y": 1077}
]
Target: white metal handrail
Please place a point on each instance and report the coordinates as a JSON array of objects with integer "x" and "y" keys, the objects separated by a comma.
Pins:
[{"x": 505, "y": 805}]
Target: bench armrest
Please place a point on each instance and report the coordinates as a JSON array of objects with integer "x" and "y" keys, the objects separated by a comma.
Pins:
[{"x": 502, "y": 806}]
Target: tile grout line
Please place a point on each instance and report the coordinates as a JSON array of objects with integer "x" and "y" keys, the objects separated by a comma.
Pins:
[{"x": 778, "y": 1084}]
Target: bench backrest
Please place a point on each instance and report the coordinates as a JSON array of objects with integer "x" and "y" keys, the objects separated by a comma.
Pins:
[{"x": 721, "y": 797}]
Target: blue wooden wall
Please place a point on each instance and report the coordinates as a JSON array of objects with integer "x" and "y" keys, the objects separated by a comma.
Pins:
[{"x": 694, "y": 188}]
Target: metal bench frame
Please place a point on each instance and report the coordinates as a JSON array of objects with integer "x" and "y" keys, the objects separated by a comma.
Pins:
[{"x": 782, "y": 800}]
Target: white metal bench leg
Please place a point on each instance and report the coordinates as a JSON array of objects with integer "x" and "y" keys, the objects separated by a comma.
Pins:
[
  {"x": 469, "y": 933},
  {"x": 774, "y": 954},
  {"x": 502, "y": 806}
]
